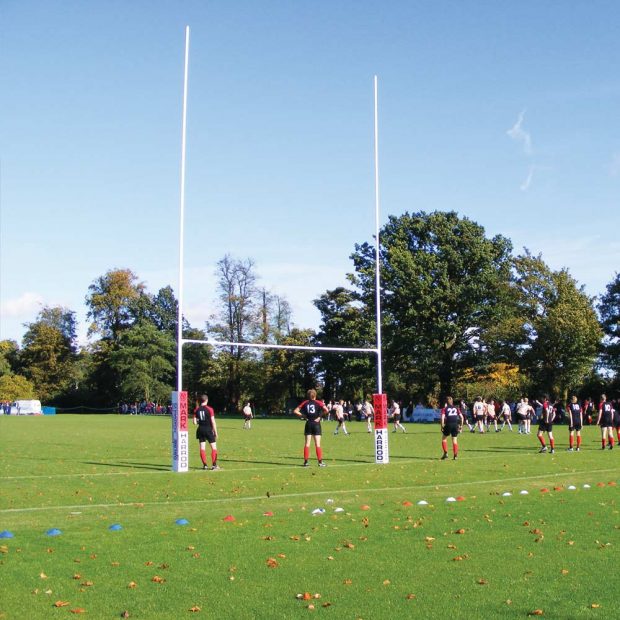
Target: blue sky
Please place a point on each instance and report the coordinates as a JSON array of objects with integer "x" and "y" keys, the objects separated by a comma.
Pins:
[{"x": 505, "y": 112}]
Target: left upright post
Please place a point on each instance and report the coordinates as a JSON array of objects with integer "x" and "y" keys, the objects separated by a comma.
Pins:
[
  {"x": 180, "y": 417},
  {"x": 180, "y": 432},
  {"x": 182, "y": 221}
]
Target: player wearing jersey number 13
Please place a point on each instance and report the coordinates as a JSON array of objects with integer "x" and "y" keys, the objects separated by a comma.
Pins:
[
  {"x": 312, "y": 410},
  {"x": 451, "y": 425}
]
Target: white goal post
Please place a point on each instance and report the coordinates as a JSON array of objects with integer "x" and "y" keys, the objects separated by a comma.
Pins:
[{"x": 180, "y": 411}]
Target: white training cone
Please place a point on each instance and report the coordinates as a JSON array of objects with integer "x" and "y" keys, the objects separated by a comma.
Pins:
[
  {"x": 338, "y": 509},
  {"x": 506, "y": 494},
  {"x": 571, "y": 487},
  {"x": 586, "y": 486},
  {"x": 524, "y": 492},
  {"x": 422, "y": 502},
  {"x": 450, "y": 499},
  {"x": 318, "y": 511}
]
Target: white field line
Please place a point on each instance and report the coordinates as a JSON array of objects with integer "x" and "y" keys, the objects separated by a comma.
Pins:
[
  {"x": 201, "y": 472},
  {"x": 218, "y": 500}
]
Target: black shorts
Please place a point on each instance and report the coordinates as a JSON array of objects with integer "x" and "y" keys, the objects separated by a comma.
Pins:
[
  {"x": 616, "y": 421},
  {"x": 205, "y": 434},
  {"x": 247, "y": 417},
  {"x": 545, "y": 427},
  {"x": 312, "y": 428},
  {"x": 396, "y": 418},
  {"x": 575, "y": 427},
  {"x": 450, "y": 430},
  {"x": 606, "y": 420},
  {"x": 479, "y": 417}
]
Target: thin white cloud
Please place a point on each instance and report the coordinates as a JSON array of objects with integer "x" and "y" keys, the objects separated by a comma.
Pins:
[
  {"x": 528, "y": 180},
  {"x": 21, "y": 307},
  {"x": 518, "y": 134}
]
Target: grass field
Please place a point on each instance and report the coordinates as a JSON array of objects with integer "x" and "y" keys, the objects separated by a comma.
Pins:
[{"x": 382, "y": 556}]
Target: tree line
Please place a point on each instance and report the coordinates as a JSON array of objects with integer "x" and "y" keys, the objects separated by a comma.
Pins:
[{"x": 462, "y": 314}]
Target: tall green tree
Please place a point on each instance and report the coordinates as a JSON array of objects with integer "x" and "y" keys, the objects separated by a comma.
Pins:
[
  {"x": 16, "y": 387},
  {"x": 562, "y": 332},
  {"x": 345, "y": 323},
  {"x": 609, "y": 310},
  {"x": 144, "y": 361},
  {"x": 9, "y": 357},
  {"x": 443, "y": 283},
  {"x": 49, "y": 352},
  {"x": 236, "y": 320},
  {"x": 111, "y": 302}
]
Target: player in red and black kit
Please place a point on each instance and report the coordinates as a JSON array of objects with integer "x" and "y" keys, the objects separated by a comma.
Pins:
[
  {"x": 606, "y": 420},
  {"x": 312, "y": 410},
  {"x": 546, "y": 425},
  {"x": 575, "y": 423},
  {"x": 204, "y": 418},
  {"x": 452, "y": 421},
  {"x": 616, "y": 420}
]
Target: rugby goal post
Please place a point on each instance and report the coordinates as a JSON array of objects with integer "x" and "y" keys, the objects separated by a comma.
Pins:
[{"x": 180, "y": 405}]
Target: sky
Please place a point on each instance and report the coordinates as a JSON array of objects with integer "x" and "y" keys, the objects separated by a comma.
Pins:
[{"x": 506, "y": 112}]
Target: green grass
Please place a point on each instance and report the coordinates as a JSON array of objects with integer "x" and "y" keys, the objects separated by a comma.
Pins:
[{"x": 383, "y": 557}]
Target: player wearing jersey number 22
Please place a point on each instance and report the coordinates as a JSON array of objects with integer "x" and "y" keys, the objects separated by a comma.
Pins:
[{"x": 312, "y": 410}]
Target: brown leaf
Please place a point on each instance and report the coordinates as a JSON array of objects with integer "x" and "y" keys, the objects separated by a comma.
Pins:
[
  {"x": 87, "y": 583},
  {"x": 451, "y": 546},
  {"x": 132, "y": 585},
  {"x": 429, "y": 539},
  {"x": 164, "y": 566},
  {"x": 272, "y": 563},
  {"x": 50, "y": 550},
  {"x": 61, "y": 603},
  {"x": 265, "y": 538},
  {"x": 4, "y": 549},
  {"x": 311, "y": 607},
  {"x": 386, "y": 582},
  {"x": 281, "y": 555},
  {"x": 326, "y": 604},
  {"x": 125, "y": 614},
  {"x": 158, "y": 579},
  {"x": 564, "y": 571},
  {"x": 42, "y": 575},
  {"x": 77, "y": 576},
  {"x": 330, "y": 557},
  {"x": 365, "y": 522},
  {"x": 594, "y": 606},
  {"x": 78, "y": 610},
  {"x": 347, "y": 582},
  {"x": 348, "y": 545},
  {"x": 148, "y": 563},
  {"x": 536, "y": 612},
  {"x": 410, "y": 597},
  {"x": 460, "y": 531},
  {"x": 482, "y": 582},
  {"x": 115, "y": 563},
  {"x": 194, "y": 608},
  {"x": 317, "y": 596}
]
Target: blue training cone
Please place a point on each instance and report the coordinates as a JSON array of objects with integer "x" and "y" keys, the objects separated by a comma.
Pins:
[
  {"x": 53, "y": 532},
  {"x": 182, "y": 522},
  {"x": 115, "y": 527},
  {"x": 6, "y": 534}
]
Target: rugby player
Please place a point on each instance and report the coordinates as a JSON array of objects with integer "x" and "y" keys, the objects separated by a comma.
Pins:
[
  {"x": 575, "y": 423},
  {"x": 312, "y": 410},
  {"x": 204, "y": 418},
  {"x": 451, "y": 425}
]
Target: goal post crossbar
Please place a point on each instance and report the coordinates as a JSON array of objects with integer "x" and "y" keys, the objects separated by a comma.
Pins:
[{"x": 293, "y": 347}]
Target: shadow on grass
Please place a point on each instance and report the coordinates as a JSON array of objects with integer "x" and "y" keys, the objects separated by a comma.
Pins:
[{"x": 129, "y": 465}]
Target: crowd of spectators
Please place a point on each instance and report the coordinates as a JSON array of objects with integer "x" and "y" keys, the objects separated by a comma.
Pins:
[{"x": 144, "y": 407}]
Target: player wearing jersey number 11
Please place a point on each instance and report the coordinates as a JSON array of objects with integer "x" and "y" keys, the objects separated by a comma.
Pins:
[{"x": 312, "y": 410}]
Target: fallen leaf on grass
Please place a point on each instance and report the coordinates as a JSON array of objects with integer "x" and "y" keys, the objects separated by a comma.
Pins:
[
  {"x": 451, "y": 546},
  {"x": 570, "y": 542},
  {"x": 61, "y": 603},
  {"x": 410, "y": 597},
  {"x": 125, "y": 614},
  {"x": 267, "y": 538},
  {"x": 87, "y": 583},
  {"x": 365, "y": 522},
  {"x": 115, "y": 563},
  {"x": 77, "y": 576},
  {"x": 132, "y": 585},
  {"x": 594, "y": 606},
  {"x": 536, "y": 612},
  {"x": 536, "y": 531},
  {"x": 42, "y": 575},
  {"x": 158, "y": 579},
  {"x": 365, "y": 507},
  {"x": 326, "y": 604},
  {"x": 564, "y": 571},
  {"x": 148, "y": 563},
  {"x": 348, "y": 545},
  {"x": 429, "y": 539},
  {"x": 347, "y": 582},
  {"x": 78, "y": 610},
  {"x": 482, "y": 582},
  {"x": 194, "y": 608},
  {"x": 311, "y": 607},
  {"x": 461, "y": 531},
  {"x": 272, "y": 563}
]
